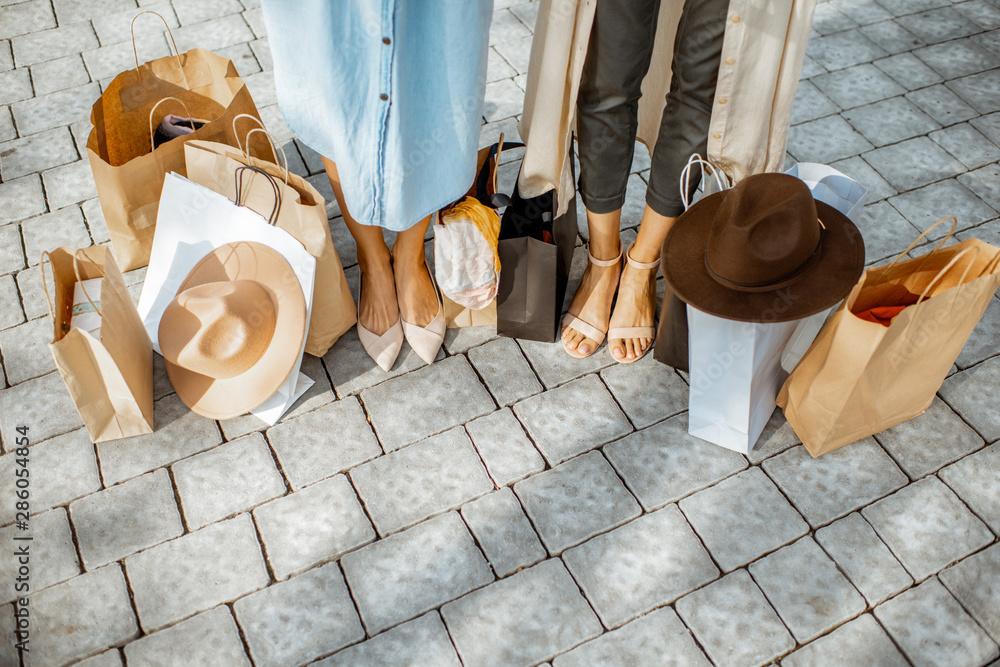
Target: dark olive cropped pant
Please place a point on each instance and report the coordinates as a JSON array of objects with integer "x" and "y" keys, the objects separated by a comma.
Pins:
[{"x": 618, "y": 57}]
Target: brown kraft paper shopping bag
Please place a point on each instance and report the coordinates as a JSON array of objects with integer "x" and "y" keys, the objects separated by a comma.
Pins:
[
  {"x": 861, "y": 377},
  {"x": 127, "y": 170},
  {"x": 111, "y": 379},
  {"x": 302, "y": 213}
]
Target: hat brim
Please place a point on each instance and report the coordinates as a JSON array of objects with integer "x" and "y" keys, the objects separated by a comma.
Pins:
[
  {"x": 227, "y": 398},
  {"x": 829, "y": 278}
]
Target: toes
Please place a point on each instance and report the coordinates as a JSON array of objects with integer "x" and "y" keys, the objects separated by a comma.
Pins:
[
  {"x": 586, "y": 346},
  {"x": 630, "y": 348},
  {"x": 618, "y": 351}
]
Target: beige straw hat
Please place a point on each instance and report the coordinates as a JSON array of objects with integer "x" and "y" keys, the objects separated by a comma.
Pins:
[{"x": 233, "y": 332}]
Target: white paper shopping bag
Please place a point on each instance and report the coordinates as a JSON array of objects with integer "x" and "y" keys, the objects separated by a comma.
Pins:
[
  {"x": 191, "y": 222},
  {"x": 735, "y": 377}
]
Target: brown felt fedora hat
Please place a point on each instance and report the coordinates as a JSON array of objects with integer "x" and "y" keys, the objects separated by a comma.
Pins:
[
  {"x": 234, "y": 330},
  {"x": 763, "y": 251}
]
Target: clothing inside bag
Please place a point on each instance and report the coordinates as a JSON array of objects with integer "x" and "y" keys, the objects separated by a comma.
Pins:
[
  {"x": 892, "y": 304},
  {"x": 173, "y": 127}
]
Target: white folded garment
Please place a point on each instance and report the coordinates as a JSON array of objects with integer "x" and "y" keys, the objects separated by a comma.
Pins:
[{"x": 86, "y": 315}]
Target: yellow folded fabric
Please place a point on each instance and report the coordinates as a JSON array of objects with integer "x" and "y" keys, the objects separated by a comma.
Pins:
[{"x": 484, "y": 218}]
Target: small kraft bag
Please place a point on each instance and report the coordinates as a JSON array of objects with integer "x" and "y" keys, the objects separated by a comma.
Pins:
[
  {"x": 128, "y": 167},
  {"x": 110, "y": 376}
]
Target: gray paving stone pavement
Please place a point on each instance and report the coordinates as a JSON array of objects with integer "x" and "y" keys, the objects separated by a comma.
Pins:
[{"x": 414, "y": 516}]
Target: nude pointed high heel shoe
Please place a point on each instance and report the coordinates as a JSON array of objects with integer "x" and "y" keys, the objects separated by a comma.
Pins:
[
  {"x": 385, "y": 348},
  {"x": 426, "y": 341}
]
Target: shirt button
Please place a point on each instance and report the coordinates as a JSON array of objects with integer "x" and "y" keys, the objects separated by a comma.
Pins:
[
  {"x": 722, "y": 100},
  {"x": 716, "y": 136},
  {"x": 736, "y": 19},
  {"x": 386, "y": 40},
  {"x": 383, "y": 97},
  {"x": 730, "y": 61}
]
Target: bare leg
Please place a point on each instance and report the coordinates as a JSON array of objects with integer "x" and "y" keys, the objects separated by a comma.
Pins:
[
  {"x": 378, "y": 311},
  {"x": 593, "y": 299},
  {"x": 636, "y": 304},
  {"x": 418, "y": 302}
]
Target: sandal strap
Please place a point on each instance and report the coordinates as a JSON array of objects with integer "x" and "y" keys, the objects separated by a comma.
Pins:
[
  {"x": 604, "y": 262},
  {"x": 631, "y": 332},
  {"x": 645, "y": 266},
  {"x": 588, "y": 330}
]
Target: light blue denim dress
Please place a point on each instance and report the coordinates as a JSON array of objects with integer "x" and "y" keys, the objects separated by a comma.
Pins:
[{"x": 390, "y": 90}]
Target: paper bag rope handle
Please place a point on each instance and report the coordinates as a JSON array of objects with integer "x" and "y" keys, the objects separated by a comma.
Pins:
[
  {"x": 271, "y": 137},
  {"x": 954, "y": 226},
  {"x": 135, "y": 51},
  {"x": 273, "y": 218},
  {"x": 941, "y": 273},
  {"x": 685, "y": 182},
  {"x": 45, "y": 287},
  {"x": 152, "y": 139}
]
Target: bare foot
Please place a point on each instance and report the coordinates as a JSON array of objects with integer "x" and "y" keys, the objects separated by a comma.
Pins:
[
  {"x": 592, "y": 304},
  {"x": 377, "y": 307},
  {"x": 636, "y": 307},
  {"x": 418, "y": 302}
]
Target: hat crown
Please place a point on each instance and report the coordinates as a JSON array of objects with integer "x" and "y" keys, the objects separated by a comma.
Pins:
[
  {"x": 218, "y": 329},
  {"x": 764, "y": 232}
]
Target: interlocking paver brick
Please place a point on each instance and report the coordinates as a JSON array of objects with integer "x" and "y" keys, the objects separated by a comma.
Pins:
[
  {"x": 811, "y": 104},
  {"x": 107, "y": 62},
  {"x": 970, "y": 394},
  {"x": 15, "y": 85},
  {"x": 734, "y": 607},
  {"x": 836, "y": 483},
  {"x": 196, "y": 11},
  {"x": 22, "y": 198},
  {"x": 299, "y": 620},
  {"x": 429, "y": 477},
  {"x": 81, "y": 617},
  {"x": 422, "y": 403},
  {"x": 504, "y": 448},
  {"x": 7, "y": 131},
  {"x": 179, "y": 433},
  {"x": 45, "y": 45},
  {"x": 45, "y": 233},
  {"x": 658, "y": 637},
  {"x": 742, "y": 517},
  {"x": 210, "y": 638},
  {"x": 541, "y": 606},
  {"x": 38, "y": 152},
  {"x": 67, "y": 465},
  {"x": 663, "y": 463},
  {"x": 976, "y": 480},
  {"x": 843, "y": 49},
  {"x": 196, "y": 572},
  {"x": 110, "y": 658},
  {"x": 96, "y": 224},
  {"x": 777, "y": 436},
  {"x": 925, "y": 206},
  {"x": 115, "y": 27},
  {"x": 892, "y": 37},
  {"x": 825, "y": 140},
  {"x": 505, "y": 371},
  {"x": 958, "y": 58},
  {"x": 647, "y": 390},
  {"x": 72, "y": 11},
  {"x": 913, "y": 163},
  {"x": 985, "y": 182},
  {"x": 26, "y": 17},
  {"x": 555, "y": 367},
  {"x": 862, "y": 11},
  {"x": 504, "y": 533},
  {"x": 939, "y": 25},
  {"x": 861, "y": 171},
  {"x": 320, "y": 522},
  {"x": 573, "y": 418},
  {"x": 861, "y": 641},
  {"x": 864, "y": 558},
  {"x": 810, "y": 595},
  {"x": 422, "y": 641},
  {"x": 42, "y": 404},
  {"x": 946, "y": 108},
  {"x": 975, "y": 583},
  {"x": 908, "y": 71},
  {"x": 890, "y": 121},
  {"x": 828, "y": 19},
  {"x": 575, "y": 501},
  {"x": 69, "y": 184},
  {"x": 226, "y": 480},
  {"x": 927, "y": 527},
  {"x": 10, "y": 309},
  {"x": 926, "y": 443},
  {"x": 55, "y": 109},
  {"x": 11, "y": 251},
  {"x": 980, "y": 12},
  {"x": 981, "y": 90},
  {"x": 646, "y": 563},
  {"x": 931, "y": 628},
  {"x": 409, "y": 573},
  {"x": 51, "y": 555},
  {"x": 126, "y": 518},
  {"x": 214, "y": 35},
  {"x": 856, "y": 86},
  {"x": 984, "y": 342},
  {"x": 516, "y": 52},
  {"x": 309, "y": 450}
]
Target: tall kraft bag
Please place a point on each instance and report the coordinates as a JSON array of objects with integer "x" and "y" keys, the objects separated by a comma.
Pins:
[
  {"x": 302, "y": 214},
  {"x": 536, "y": 251},
  {"x": 861, "y": 377},
  {"x": 111, "y": 379},
  {"x": 128, "y": 171}
]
